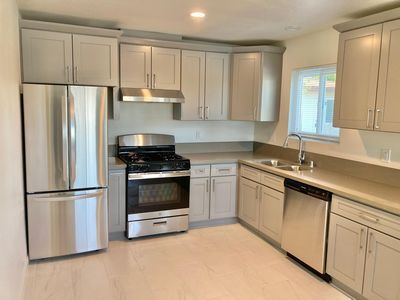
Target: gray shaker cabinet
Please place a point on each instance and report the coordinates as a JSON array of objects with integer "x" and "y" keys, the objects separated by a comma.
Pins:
[{"x": 116, "y": 201}]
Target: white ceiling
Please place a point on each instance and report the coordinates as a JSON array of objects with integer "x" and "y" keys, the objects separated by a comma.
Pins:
[{"x": 226, "y": 20}]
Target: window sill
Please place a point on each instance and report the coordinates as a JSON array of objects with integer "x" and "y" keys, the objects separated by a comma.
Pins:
[{"x": 320, "y": 139}]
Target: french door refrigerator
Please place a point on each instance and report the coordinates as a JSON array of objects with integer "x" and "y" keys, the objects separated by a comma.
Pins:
[{"x": 65, "y": 132}]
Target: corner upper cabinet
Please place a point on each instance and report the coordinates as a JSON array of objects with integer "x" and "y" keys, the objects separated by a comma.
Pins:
[
  {"x": 46, "y": 56},
  {"x": 150, "y": 67},
  {"x": 205, "y": 86},
  {"x": 64, "y": 58},
  {"x": 256, "y": 84},
  {"x": 95, "y": 60},
  {"x": 357, "y": 78}
]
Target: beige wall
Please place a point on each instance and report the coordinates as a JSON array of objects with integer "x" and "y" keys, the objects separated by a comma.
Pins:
[
  {"x": 316, "y": 49},
  {"x": 12, "y": 226},
  {"x": 157, "y": 118}
]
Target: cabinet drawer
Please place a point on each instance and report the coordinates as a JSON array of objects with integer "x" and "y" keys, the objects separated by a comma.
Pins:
[
  {"x": 371, "y": 217},
  {"x": 223, "y": 169},
  {"x": 250, "y": 173},
  {"x": 200, "y": 171},
  {"x": 272, "y": 181}
]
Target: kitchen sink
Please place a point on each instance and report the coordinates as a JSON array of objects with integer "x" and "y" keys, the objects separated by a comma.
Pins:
[
  {"x": 285, "y": 165},
  {"x": 295, "y": 168},
  {"x": 276, "y": 163}
]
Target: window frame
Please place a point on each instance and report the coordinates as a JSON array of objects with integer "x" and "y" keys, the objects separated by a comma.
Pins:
[{"x": 294, "y": 106}]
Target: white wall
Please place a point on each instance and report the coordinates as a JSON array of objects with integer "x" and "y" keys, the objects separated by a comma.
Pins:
[
  {"x": 316, "y": 49},
  {"x": 12, "y": 226},
  {"x": 157, "y": 118}
]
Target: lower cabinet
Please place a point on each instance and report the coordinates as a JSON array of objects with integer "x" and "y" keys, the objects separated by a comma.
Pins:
[
  {"x": 116, "y": 201},
  {"x": 360, "y": 257},
  {"x": 249, "y": 206},
  {"x": 260, "y": 205},
  {"x": 382, "y": 267},
  {"x": 212, "y": 192},
  {"x": 271, "y": 212},
  {"x": 346, "y": 252},
  {"x": 223, "y": 197},
  {"x": 199, "y": 204}
]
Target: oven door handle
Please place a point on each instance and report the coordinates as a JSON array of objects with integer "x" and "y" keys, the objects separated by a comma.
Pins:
[{"x": 151, "y": 175}]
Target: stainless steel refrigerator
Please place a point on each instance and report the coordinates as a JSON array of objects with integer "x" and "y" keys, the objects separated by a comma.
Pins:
[{"x": 65, "y": 132}]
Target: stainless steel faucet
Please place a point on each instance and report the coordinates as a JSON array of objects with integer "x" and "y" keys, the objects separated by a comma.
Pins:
[{"x": 302, "y": 153}]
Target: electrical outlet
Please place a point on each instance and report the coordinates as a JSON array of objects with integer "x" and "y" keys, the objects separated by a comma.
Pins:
[{"x": 385, "y": 155}]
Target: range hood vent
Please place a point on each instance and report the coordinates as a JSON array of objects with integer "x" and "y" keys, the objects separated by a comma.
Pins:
[{"x": 152, "y": 95}]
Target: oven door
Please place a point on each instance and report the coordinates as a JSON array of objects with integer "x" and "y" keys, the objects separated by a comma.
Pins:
[{"x": 154, "y": 195}]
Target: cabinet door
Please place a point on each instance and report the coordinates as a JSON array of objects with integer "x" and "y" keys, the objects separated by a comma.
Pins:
[
  {"x": 116, "y": 201},
  {"x": 271, "y": 213},
  {"x": 388, "y": 104},
  {"x": 199, "y": 203},
  {"x": 245, "y": 86},
  {"x": 135, "y": 66},
  {"x": 166, "y": 68},
  {"x": 382, "y": 267},
  {"x": 46, "y": 56},
  {"x": 193, "y": 70},
  {"x": 216, "y": 86},
  {"x": 223, "y": 197},
  {"x": 95, "y": 60},
  {"x": 249, "y": 205},
  {"x": 346, "y": 251},
  {"x": 357, "y": 78}
]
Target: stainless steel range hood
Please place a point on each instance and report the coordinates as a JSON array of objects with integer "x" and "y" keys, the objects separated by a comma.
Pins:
[{"x": 152, "y": 95}]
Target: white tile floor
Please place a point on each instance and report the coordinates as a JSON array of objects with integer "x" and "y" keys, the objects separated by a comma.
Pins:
[{"x": 225, "y": 262}]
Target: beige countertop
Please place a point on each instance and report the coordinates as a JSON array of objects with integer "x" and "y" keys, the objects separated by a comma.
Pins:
[
  {"x": 378, "y": 195},
  {"x": 219, "y": 157},
  {"x": 114, "y": 163}
]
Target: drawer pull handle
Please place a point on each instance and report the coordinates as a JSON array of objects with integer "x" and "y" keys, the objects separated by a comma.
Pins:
[
  {"x": 160, "y": 223},
  {"x": 361, "y": 239},
  {"x": 224, "y": 170},
  {"x": 370, "y": 242},
  {"x": 369, "y": 218}
]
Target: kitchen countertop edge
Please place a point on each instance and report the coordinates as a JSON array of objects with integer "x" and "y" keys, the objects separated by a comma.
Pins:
[{"x": 390, "y": 204}]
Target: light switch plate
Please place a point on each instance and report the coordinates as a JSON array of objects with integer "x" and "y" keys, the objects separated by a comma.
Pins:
[{"x": 386, "y": 154}]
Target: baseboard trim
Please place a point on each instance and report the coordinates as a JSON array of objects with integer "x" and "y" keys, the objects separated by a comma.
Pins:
[{"x": 211, "y": 223}]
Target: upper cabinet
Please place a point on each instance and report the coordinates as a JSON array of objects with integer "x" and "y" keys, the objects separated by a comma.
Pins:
[
  {"x": 95, "y": 60},
  {"x": 54, "y": 57},
  {"x": 205, "y": 85},
  {"x": 357, "y": 78},
  {"x": 150, "y": 67},
  {"x": 46, "y": 56},
  {"x": 387, "y": 103},
  {"x": 256, "y": 84},
  {"x": 367, "y": 88}
]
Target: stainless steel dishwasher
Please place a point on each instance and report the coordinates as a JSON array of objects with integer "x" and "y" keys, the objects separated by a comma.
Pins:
[{"x": 305, "y": 224}]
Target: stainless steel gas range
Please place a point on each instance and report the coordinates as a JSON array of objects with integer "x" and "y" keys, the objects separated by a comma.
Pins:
[{"x": 158, "y": 184}]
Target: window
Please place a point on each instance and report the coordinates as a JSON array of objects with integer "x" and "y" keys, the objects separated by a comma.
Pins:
[{"x": 312, "y": 96}]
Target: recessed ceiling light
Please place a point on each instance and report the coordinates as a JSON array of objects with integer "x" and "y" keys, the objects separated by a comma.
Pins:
[
  {"x": 292, "y": 28},
  {"x": 197, "y": 14}
]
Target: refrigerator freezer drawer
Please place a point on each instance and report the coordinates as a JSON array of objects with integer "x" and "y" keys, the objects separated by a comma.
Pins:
[{"x": 67, "y": 223}]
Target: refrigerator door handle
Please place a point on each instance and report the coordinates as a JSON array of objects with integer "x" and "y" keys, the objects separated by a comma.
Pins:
[
  {"x": 67, "y": 198},
  {"x": 72, "y": 138},
  {"x": 64, "y": 108}
]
